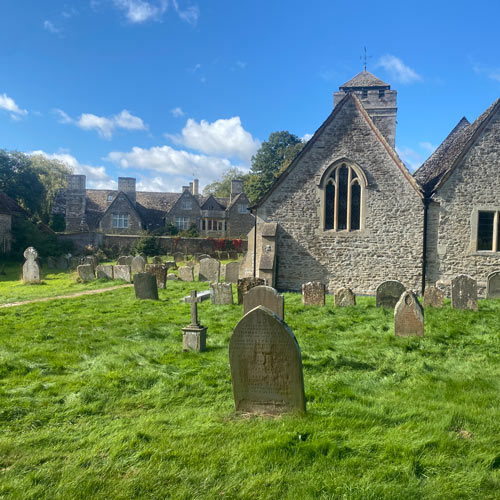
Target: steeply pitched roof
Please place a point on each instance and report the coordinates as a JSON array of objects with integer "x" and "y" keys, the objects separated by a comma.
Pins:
[
  {"x": 9, "y": 206},
  {"x": 365, "y": 79}
]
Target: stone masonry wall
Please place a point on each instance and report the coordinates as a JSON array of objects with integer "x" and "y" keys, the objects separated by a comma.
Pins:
[
  {"x": 239, "y": 224},
  {"x": 121, "y": 205}
]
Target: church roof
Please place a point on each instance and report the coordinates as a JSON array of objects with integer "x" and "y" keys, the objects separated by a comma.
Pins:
[
  {"x": 9, "y": 206},
  {"x": 365, "y": 79}
]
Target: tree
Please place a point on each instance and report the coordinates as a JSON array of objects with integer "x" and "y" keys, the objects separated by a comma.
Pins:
[
  {"x": 222, "y": 188},
  {"x": 272, "y": 158}
]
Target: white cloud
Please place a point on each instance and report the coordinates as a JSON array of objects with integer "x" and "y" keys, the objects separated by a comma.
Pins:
[
  {"x": 8, "y": 104},
  {"x": 51, "y": 28},
  {"x": 177, "y": 112},
  {"x": 63, "y": 117},
  {"x": 427, "y": 146},
  {"x": 306, "y": 137},
  {"x": 139, "y": 11},
  {"x": 491, "y": 73},
  {"x": 409, "y": 157},
  {"x": 190, "y": 14},
  {"x": 224, "y": 137},
  {"x": 398, "y": 70}
]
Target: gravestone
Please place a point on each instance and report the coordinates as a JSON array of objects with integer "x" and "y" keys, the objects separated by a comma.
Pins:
[
  {"x": 408, "y": 316},
  {"x": 145, "y": 286},
  {"x": 172, "y": 277},
  {"x": 266, "y": 365},
  {"x": 122, "y": 272},
  {"x": 433, "y": 297},
  {"x": 138, "y": 265},
  {"x": 74, "y": 262},
  {"x": 186, "y": 273},
  {"x": 388, "y": 293},
  {"x": 232, "y": 272},
  {"x": 159, "y": 272},
  {"x": 92, "y": 260},
  {"x": 493, "y": 287},
  {"x": 191, "y": 263},
  {"x": 145, "y": 257},
  {"x": 31, "y": 268},
  {"x": 105, "y": 272},
  {"x": 221, "y": 293},
  {"x": 86, "y": 272},
  {"x": 194, "y": 336},
  {"x": 200, "y": 297},
  {"x": 125, "y": 260},
  {"x": 313, "y": 293},
  {"x": 464, "y": 293},
  {"x": 209, "y": 270},
  {"x": 63, "y": 263},
  {"x": 203, "y": 256},
  {"x": 246, "y": 284},
  {"x": 156, "y": 260},
  {"x": 266, "y": 296},
  {"x": 344, "y": 297},
  {"x": 178, "y": 257},
  {"x": 170, "y": 263},
  {"x": 51, "y": 262}
]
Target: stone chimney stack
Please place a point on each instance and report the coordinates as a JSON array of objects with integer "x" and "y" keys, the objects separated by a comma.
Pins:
[
  {"x": 76, "y": 203},
  {"x": 127, "y": 185},
  {"x": 236, "y": 189},
  {"x": 196, "y": 184}
]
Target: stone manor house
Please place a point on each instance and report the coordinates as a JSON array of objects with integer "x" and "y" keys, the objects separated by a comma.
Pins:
[
  {"x": 127, "y": 211},
  {"x": 347, "y": 211}
]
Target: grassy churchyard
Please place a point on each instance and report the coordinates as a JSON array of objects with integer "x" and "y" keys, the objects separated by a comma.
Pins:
[{"x": 98, "y": 401}]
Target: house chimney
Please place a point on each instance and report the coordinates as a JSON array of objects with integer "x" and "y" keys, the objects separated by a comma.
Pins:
[
  {"x": 127, "y": 186},
  {"x": 185, "y": 188},
  {"x": 236, "y": 189},
  {"x": 196, "y": 184},
  {"x": 191, "y": 188},
  {"x": 76, "y": 202}
]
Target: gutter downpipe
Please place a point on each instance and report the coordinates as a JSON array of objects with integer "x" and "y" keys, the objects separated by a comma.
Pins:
[
  {"x": 424, "y": 243},
  {"x": 251, "y": 209}
]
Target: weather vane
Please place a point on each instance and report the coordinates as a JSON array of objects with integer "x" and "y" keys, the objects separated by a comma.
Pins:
[{"x": 365, "y": 58}]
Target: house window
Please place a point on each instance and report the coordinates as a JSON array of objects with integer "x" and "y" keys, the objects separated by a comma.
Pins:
[
  {"x": 186, "y": 204},
  {"x": 120, "y": 221},
  {"x": 343, "y": 193},
  {"x": 203, "y": 225},
  {"x": 488, "y": 231},
  {"x": 182, "y": 223},
  {"x": 110, "y": 197},
  {"x": 220, "y": 226},
  {"x": 242, "y": 208}
]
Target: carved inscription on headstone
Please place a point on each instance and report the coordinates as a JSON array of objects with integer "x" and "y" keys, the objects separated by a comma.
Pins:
[
  {"x": 265, "y": 296},
  {"x": 408, "y": 316},
  {"x": 344, "y": 297},
  {"x": 493, "y": 287},
  {"x": 464, "y": 293},
  {"x": 388, "y": 293},
  {"x": 433, "y": 297},
  {"x": 266, "y": 365},
  {"x": 313, "y": 293}
]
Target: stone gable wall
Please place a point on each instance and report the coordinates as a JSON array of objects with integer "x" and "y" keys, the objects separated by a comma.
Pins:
[
  {"x": 239, "y": 224},
  {"x": 121, "y": 206},
  {"x": 177, "y": 210}
]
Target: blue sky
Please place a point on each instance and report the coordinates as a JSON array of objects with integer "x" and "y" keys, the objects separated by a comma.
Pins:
[{"x": 168, "y": 90}]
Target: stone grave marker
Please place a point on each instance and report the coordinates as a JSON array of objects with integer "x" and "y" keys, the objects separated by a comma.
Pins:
[
  {"x": 105, "y": 272},
  {"x": 200, "y": 297},
  {"x": 145, "y": 286},
  {"x": 31, "y": 268},
  {"x": 194, "y": 336},
  {"x": 203, "y": 256},
  {"x": 246, "y": 284},
  {"x": 92, "y": 260},
  {"x": 313, "y": 293},
  {"x": 170, "y": 264},
  {"x": 191, "y": 263},
  {"x": 156, "y": 260},
  {"x": 74, "y": 262},
  {"x": 178, "y": 257},
  {"x": 221, "y": 293},
  {"x": 86, "y": 272},
  {"x": 63, "y": 263},
  {"x": 266, "y": 365},
  {"x": 493, "y": 286},
  {"x": 122, "y": 272},
  {"x": 266, "y": 296},
  {"x": 138, "y": 265},
  {"x": 51, "y": 262},
  {"x": 464, "y": 293},
  {"x": 172, "y": 277},
  {"x": 408, "y": 316},
  {"x": 209, "y": 270},
  {"x": 388, "y": 293},
  {"x": 232, "y": 272},
  {"x": 125, "y": 260},
  {"x": 344, "y": 297},
  {"x": 433, "y": 297},
  {"x": 159, "y": 271},
  {"x": 186, "y": 273},
  {"x": 145, "y": 257}
]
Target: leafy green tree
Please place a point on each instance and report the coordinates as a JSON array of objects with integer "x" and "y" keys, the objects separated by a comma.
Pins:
[{"x": 222, "y": 188}]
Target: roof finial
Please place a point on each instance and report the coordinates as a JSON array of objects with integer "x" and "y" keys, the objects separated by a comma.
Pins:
[{"x": 365, "y": 58}]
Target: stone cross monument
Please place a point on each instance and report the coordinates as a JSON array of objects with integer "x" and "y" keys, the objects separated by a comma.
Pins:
[{"x": 194, "y": 336}]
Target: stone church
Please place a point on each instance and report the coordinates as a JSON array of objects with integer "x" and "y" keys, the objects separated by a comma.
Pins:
[{"x": 348, "y": 212}]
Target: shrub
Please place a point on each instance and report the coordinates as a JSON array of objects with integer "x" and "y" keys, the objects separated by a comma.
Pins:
[{"x": 148, "y": 245}]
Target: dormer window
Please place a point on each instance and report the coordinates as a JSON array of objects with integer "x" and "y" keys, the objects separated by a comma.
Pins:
[{"x": 110, "y": 198}]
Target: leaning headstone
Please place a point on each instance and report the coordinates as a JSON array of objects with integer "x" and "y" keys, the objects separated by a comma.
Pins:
[
  {"x": 123, "y": 273},
  {"x": 265, "y": 296},
  {"x": 464, "y": 293},
  {"x": 232, "y": 272},
  {"x": 86, "y": 272},
  {"x": 313, "y": 293},
  {"x": 408, "y": 316},
  {"x": 145, "y": 286},
  {"x": 388, "y": 293},
  {"x": 138, "y": 265},
  {"x": 194, "y": 336},
  {"x": 221, "y": 293},
  {"x": 433, "y": 297},
  {"x": 105, "y": 272},
  {"x": 185, "y": 273},
  {"x": 246, "y": 284},
  {"x": 63, "y": 263},
  {"x": 266, "y": 365},
  {"x": 209, "y": 270},
  {"x": 493, "y": 287},
  {"x": 31, "y": 268},
  {"x": 159, "y": 272},
  {"x": 156, "y": 260},
  {"x": 344, "y": 297}
]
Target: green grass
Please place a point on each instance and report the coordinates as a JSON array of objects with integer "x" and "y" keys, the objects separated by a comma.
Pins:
[{"x": 98, "y": 401}]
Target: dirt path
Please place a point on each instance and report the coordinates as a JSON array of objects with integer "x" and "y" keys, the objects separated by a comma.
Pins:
[{"x": 56, "y": 297}]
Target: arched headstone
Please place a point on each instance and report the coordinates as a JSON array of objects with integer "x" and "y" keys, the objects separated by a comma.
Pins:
[
  {"x": 266, "y": 296},
  {"x": 464, "y": 293},
  {"x": 408, "y": 316},
  {"x": 388, "y": 293},
  {"x": 138, "y": 264},
  {"x": 209, "y": 270},
  {"x": 493, "y": 287}
]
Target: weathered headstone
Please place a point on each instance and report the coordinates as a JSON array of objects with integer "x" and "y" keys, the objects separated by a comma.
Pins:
[
  {"x": 232, "y": 272},
  {"x": 31, "y": 268},
  {"x": 156, "y": 260},
  {"x": 105, "y": 272},
  {"x": 172, "y": 277},
  {"x": 138, "y": 265},
  {"x": 203, "y": 256},
  {"x": 125, "y": 260},
  {"x": 178, "y": 257},
  {"x": 246, "y": 284},
  {"x": 63, "y": 263},
  {"x": 191, "y": 263},
  {"x": 493, "y": 287},
  {"x": 145, "y": 286},
  {"x": 194, "y": 336},
  {"x": 145, "y": 257},
  {"x": 159, "y": 271},
  {"x": 266, "y": 296},
  {"x": 209, "y": 270},
  {"x": 170, "y": 264},
  {"x": 86, "y": 272},
  {"x": 313, "y": 293},
  {"x": 92, "y": 260},
  {"x": 408, "y": 316},
  {"x": 344, "y": 297},
  {"x": 221, "y": 293},
  {"x": 388, "y": 293},
  {"x": 433, "y": 297},
  {"x": 266, "y": 365},
  {"x": 51, "y": 262},
  {"x": 464, "y": 293},
  {"x": 122, "y": 272},
  {"x": 74, "y": 262},
  {"x": 185, "y": 273}
]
